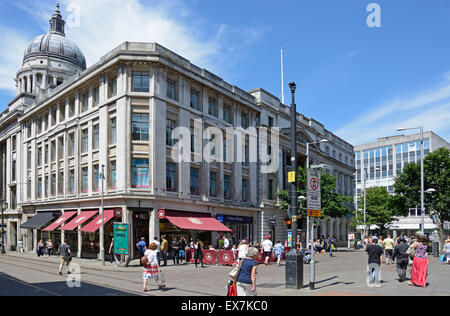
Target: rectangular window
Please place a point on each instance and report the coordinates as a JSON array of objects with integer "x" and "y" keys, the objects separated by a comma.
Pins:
[
  {"x": 29, "y": 158},
  {"x": 212, "y": 107},
  {"x": 84, "y": 102},
  {"x": 85, "y": 179},
  {"x": 71, "y": 107},
  {"x": 171, "y": 177},
  {"x": 72, "y": 181},
  {"x": 95, "y": 136},
  {"x": 53, "y": 151},
  {"x": 171, "y": 91},
  {"x": 113, "y": 88},
  {"x": 244, "y": 190},
  {"x": 29, "y": 129},
  {"x": 141, "y": 82},
  {"x": 53, "y": 184},
  {"x": 46, "y": 154},
  {"x": 270, "y": 121},
  {"x": 47, "y": 180},
  {"x": 96, "y": 96},
  {"x": 227, "y": 187},
  {"x": 140, "y": 127},
  {"x": 71, "y": 147},
  {"x": 140, "y": 173},
  {"x": 39, "y": 193},
  {"x": 84, "y": 141},
  {"x": 40, "y": 158},
  {"x": 270, "y": 190},
  {"x": 61, "y": 183},
  {"x": 192, "y": 139},
  {"x": 14, "y": 143},
  {"x": 170, "y": 126},
  {"x": 213, "y": 184},
  {"x": 113, "y": 131},
  {"x": 245, "y": 120},
  {"x": 60, "y": 147},
  {"x": 194, "y": 177},
  {"x": 96, "y": 184},
  {"x": 227, "y": 114},
  {"x": 113, "y": 175},
  {"x": 195, "y": 104},
  {"x": 13, "y": 171}
]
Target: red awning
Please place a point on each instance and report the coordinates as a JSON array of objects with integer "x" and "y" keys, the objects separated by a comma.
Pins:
[
  {"x": 79, "y": 220},
  {"x": 66, "y": 216},
  {"x": 195, "y": 221},
  {"x": 94, "y": 225}
]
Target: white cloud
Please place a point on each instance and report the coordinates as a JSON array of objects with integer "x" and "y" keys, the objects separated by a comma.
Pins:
[
  {"x": 105, "y": 24},
  {"x": 430, "y": 109}
]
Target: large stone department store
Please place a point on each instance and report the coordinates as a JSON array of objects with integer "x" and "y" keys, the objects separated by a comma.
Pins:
[{"x": 67, "y": 121}]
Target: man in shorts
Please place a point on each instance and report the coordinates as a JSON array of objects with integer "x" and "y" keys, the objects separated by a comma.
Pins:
[
  {"x": 388, "y": 245},
  {"x": 267, "y": 248},
  {"x": 65, "y": 256}
]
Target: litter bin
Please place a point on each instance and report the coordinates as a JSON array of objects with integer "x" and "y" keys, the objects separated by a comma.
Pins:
[{"x": 294, "y": 270}]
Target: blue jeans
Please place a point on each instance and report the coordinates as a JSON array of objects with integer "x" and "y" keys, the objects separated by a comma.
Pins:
[{"x": 374, "y": 273}]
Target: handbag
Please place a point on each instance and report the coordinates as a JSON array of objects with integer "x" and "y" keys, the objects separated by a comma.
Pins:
[
  {"x": 234, "y": 274},
  {"x": 442, "y": 258},
  {"x": 411, "y": 252},
  {"x": 232, "y": 290},
  {"x": 144, "y": 261},
  {"x": 161, "y": 279}
]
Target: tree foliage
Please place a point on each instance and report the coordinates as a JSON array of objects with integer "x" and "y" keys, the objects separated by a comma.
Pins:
[{"x": 334, "y": 205}]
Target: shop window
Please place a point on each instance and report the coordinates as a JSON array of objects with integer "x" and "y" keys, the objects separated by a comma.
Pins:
[
  {"x": 96, "y": 183},
  {"x": 170, "y": 126},
  {"x": 72, "y": 181},
  {"x": 84, "y": 141},
  {"x": 85, "y": 179},
  {"x": 95, "y": 136},
  {"x": 113, "y": 177},
  {"x": 140, "y": 127}
]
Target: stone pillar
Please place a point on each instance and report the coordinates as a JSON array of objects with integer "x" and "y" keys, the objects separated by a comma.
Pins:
[
  {"x": 158, "y": 152},
  {"x": 154, "y": 225},
  {"x": 34, "y": 84},
  {"x": 337, "y": 228},
  {"x": 44, "y": 81},
  {"x": 183, "y": 172},
  {"x": 122, "y": 144}
]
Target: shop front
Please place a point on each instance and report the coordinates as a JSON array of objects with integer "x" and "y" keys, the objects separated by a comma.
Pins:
[
  {"x": 241, "y": 228},
  {"x": 37, "y": 222},
  {"x": 190, "y": 225},
  {"x": 52, "y": 232}
]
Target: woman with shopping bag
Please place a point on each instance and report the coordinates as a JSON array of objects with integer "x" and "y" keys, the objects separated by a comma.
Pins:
[{"x": 151, "y": 269}]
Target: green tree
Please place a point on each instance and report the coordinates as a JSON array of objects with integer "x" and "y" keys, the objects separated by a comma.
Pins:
[
  {"x": 379, "y": 208},
  {"x": 437, "y": 176},
  {"x": 334, "y": 205}
]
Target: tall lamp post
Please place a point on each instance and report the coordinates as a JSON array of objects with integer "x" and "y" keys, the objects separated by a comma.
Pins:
[
  {"x": 102, "y": 228},
  {"x": 294, "y": 262},
  {"x": 422, "y": 206},
  {"x": 365, "y": 193}
]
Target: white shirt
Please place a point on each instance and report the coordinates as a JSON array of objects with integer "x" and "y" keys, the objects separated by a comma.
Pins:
[
  {"x": 151, "y": 256},
  {"x": 267, "y": 245},
  {"x": 243, "y": 250},
  {"x": 158, "y": 244},
  {"x": 226, "y": 243}
]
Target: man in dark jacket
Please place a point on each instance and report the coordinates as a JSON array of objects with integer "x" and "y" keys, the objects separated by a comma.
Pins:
[{"x": 402, "y": 258}]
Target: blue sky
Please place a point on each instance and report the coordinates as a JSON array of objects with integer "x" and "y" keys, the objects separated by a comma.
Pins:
[{"x": 360, "y": 82}]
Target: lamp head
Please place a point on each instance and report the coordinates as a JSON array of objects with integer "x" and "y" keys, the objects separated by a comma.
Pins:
[{"x": 292, "y": 86}]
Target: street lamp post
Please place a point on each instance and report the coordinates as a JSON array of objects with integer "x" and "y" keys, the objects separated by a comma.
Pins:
[
  {"x": 102, "y": 228},
  {"x": 422, "y": 206}
]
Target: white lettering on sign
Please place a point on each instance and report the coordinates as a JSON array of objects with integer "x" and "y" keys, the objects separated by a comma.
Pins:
[{"x": 195, "y": 221}]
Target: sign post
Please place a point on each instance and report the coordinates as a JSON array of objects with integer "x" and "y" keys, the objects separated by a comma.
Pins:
[
  {"x": 121, "y": 235},
  {"x": 314, "y": 210}
]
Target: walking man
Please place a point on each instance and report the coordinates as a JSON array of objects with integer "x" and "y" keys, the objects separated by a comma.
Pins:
[
  {"x": 164, "y": 249},
  {"x": 375, "y": 253},
  {"x": 388, "y": 245},
  {"x": 158, "y": 249},
  {"x": 266, "y": 245},
  {"x": 142, "y": 246},
  {"x": 65, "y": 256},
  {"x": 402, "y": 258}
]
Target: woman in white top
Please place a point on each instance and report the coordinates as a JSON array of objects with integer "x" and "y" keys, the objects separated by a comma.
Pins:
[
  {"x": 151, "y": 269},
  {"x": 242, "y": 250}
]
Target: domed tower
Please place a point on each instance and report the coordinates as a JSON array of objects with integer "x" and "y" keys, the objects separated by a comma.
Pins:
[{"x": 49, "y": 60}]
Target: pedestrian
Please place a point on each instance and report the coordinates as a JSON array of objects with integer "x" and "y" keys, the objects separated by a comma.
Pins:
[
  {"x": 278, "y": 250},
  {"x": 420, "y": 262},
  {"x": 49, "y": 247},
  {"x": 192, "y": 244},
  {"x": 175, "y": 251},
  {"x": 151, "y": 268},
  {"x": 65, "y": 256},
  {"x": 242, "y": 250},
  {"x": 246, "y": 281},
  {"x": 380, "y": 241},
  {"x": 317, "y": 246},
  {"x": 158, "y": 250},
  {"x": 198, "y": 253},
  {"x": 375, "y": 253},
  {"x": 267, "y": 246},
  {"x": 111, "y": 251},
  {"x": 331, "y": 244},
  {"x": 388, "y": 245},
  {"x": 40, "y": 251},
  {"x": 235, "y": 251},
  {"x": 164, "y": 249},
  {"x": 182, "y": 252},
  {"x": 142, "y": 247},
  {"x": 447, "y": 250},
  {"x": 226, "y": 243},
  {"x": 401, "y": 257}
]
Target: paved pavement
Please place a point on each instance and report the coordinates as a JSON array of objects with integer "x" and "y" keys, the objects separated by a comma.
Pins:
[{"x": 343, "y": 274}]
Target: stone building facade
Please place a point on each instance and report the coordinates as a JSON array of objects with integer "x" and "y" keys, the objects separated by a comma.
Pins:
[{"x": 68, "y": 125}]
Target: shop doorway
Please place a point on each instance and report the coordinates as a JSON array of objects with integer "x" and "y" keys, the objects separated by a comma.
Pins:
[{"x": 141, "y": 221}]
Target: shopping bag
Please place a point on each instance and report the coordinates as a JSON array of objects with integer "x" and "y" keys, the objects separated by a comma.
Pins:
[
  {"x": 161, "y": 279},
  {"x": 232, "y": 290},
  {"x": 442, "y": 258}
]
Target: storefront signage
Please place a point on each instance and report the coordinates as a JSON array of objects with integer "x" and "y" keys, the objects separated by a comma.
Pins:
[
  {"x": 234, "y": 219},
  {"x": 162, "y": 214},
  {"x": 121, "y": 238}
]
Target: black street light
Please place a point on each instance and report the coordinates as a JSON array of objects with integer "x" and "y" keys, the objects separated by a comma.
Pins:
[{"x": 294, "y": 260}]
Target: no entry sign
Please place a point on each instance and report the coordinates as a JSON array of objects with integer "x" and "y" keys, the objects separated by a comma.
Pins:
[{"x": 313, "y": 193}]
